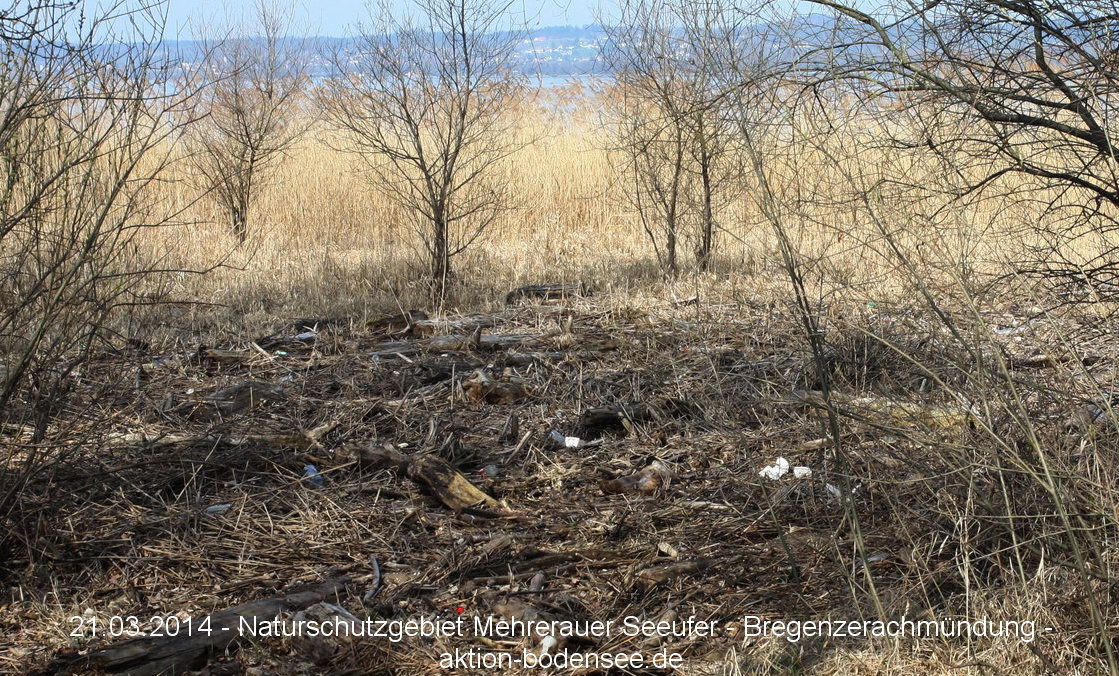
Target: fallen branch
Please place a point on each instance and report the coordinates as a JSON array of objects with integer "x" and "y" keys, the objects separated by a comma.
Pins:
[
  {"x": 546, "y": 292},
  {"x": 187, "y": 651}
]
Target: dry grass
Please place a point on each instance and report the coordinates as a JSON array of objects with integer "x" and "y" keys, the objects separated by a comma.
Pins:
[
  {"x": 324, "y": 241},
  {"x": 958, "y": 518}
]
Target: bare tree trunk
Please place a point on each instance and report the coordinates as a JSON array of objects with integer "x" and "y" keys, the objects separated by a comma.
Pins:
[
  {"x": 440, "y": 252},
  {"x": 707, "y": 235}
]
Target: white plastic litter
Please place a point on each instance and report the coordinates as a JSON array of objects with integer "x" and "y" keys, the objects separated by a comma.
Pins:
[
  {"x": 776, "y": 470},
  {"x": 781, "y": 467}
]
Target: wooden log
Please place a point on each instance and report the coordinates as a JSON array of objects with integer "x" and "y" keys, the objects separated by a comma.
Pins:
[
  {"x": 546, "y": 292},
  {"x": 394, "y": 349},
  {"x": 227, "y": 401},
  {"x": 595, "y": 420},
  {"x": 429, "y": 327},
  {"x": 451, "y": 343},
  {"x": 191, "y": 650},
  {"x": 373, "y": 457},
  {"x": 396, "y": 324}
]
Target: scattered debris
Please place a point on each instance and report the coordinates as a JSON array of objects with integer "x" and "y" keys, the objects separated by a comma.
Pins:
[
  {"x": 647, "y": 481},
  {"x": 398, "y": 324},
  {"x": 546, "y": 292},
  {"x": 481, "y": 388},
  {"x": 388, "y": 418}
]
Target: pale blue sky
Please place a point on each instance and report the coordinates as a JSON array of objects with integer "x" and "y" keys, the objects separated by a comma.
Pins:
[{"x": 187, "y": 18}]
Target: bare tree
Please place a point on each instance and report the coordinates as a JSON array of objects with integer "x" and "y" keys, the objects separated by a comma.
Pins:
[
  {"x": 670, "y": 118},
  {"x": 1018, "y": 88},
  {"x": 248, "y": 113},
  {"x": 425, "y": 102},
  {"x": 85, "y": 127}
]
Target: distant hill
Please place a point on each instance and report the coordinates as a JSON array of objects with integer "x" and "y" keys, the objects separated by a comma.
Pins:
[{"x": 552, "y": 51}]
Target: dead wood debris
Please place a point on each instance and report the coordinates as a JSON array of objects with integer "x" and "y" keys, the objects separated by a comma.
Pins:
[{"x": 556, "y": 462}]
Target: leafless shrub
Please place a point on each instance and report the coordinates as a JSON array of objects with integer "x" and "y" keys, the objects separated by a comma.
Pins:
[
  {"x": 83, "y": 125},
  {"x": 424, "y": 102},
  {"x": 995, "y": 91},
  {"x": 669, "y": 118},
  {"x": 248, "y": 113}
]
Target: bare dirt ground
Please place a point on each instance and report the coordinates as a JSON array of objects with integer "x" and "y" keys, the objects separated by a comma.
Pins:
[{"x": 562, "y": 460}]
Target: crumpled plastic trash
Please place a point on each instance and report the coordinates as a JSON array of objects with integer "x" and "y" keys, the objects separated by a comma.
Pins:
[
  {"x": 488, "y": 472},
  {"x": 781, "y": 467},
  {"x": 311, "y": 474},
  {"x": 776, "y": 470},
  {"x": 562, "y": 441}
]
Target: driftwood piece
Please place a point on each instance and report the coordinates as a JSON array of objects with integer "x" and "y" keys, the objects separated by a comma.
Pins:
[
  {"x": 429, "y": 327},
  {"x": 546, "y": 292},
  {"x": 299, "y": 440},
  {"x": 451, "y": 343},
  {"x": 448, "y": 485},
  {"x": 396, "y": 324},
  {"x": 151, "y": 655},
  {"x": 434, "y": 475},
  {"x": 595, "y": 420},
  {"x": 227, "y": 401},
  {"x": 394, "y": 349},
  {"x": 481, "y": 388}
]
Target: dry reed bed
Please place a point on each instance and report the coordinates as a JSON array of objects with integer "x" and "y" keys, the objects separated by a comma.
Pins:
[{"x": 323, "y": 240}]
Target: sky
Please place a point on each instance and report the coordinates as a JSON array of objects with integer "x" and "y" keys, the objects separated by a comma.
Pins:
[{"x": 335, "y": 18}]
